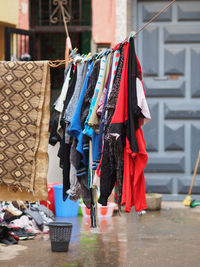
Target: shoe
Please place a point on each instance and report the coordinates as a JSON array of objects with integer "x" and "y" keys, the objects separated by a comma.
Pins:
[
  {"x": 32, "y": 228},
  {"x": 13, "y": 210},
  {"x": 15, "y": 236},
  {"x": 47, "y": 212},
  {"x": 5, "y": 237},
  {"x": 11, "y": 213},
  {"x": 21, "y": 205},
  {"x": 22, "y": 222},
  {"x": 22, "y": 233},
  {"x": 12, "y": 239},
  {"x": 46, "y": 220}
]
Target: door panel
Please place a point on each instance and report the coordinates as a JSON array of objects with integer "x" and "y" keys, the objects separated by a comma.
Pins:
[{"x": 169, "y": 52}]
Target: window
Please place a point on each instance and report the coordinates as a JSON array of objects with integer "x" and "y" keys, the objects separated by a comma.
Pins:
[{"x": 41, "y": 11}]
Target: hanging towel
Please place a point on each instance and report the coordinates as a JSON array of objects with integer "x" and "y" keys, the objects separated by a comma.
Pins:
[{"x": 24, "y": 122}]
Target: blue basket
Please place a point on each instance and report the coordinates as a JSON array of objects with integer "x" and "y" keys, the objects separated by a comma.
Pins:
[{"x": 67, "y": 208}]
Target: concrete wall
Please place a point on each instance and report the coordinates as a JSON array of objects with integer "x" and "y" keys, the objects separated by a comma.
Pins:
[
  {"x": 121, "y": 20},
  {"x": 111, "y": 21},
  {"x": 54, "y": 172},
  {"x": 23, "y": 20},
  {"x": 103, "y": 22}
]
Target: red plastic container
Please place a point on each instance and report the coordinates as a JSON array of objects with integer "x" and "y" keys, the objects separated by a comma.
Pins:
[{"x": 51, "y": 199}]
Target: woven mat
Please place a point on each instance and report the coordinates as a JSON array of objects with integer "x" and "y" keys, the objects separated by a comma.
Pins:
[{"x": 24, "y": 122}]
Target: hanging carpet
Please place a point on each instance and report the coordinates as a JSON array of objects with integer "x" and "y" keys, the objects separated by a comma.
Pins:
[{"x": 24, "y": 122}]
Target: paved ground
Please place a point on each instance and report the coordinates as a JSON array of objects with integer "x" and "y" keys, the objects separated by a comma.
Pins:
[{"x": 170, "y": 237}]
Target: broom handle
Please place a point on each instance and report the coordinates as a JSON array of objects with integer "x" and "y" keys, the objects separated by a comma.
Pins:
[{"x": 194, "y": 174}]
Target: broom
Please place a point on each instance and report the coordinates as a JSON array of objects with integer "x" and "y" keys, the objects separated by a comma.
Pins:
[{"x": 188, "y": 199}]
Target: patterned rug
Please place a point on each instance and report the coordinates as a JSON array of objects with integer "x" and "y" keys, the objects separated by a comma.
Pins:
[{"x": 24, "y": 121}]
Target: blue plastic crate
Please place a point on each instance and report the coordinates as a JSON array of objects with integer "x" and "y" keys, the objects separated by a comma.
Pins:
[{"x": 67, "y": 208}]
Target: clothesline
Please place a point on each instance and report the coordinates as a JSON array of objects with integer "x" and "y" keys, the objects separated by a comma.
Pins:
[
  {"x": 101, "y": 143},
  {"x": 57, "y": 63}
]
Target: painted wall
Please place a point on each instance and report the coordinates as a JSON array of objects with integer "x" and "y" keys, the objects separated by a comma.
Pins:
[
  {"x": 23, "y": 20},
  {"x": 103, "y": 21},
  {"x": 13, "y": 13},
  {"x": 9, "y": 11}
]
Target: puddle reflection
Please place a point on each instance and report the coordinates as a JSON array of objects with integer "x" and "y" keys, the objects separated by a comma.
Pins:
[{"x": 102, "y": 245}]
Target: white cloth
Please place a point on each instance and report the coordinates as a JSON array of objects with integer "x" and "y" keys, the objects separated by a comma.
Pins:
[
  {"x": 60, "y": 101},
  {"x": 142, "y": 102}
]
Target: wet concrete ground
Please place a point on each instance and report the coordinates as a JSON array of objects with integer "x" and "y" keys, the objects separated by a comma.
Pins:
[{"x": 170, "y": 237}]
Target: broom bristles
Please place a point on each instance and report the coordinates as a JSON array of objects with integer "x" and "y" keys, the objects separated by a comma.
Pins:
[{"x": 187, "y": 201}]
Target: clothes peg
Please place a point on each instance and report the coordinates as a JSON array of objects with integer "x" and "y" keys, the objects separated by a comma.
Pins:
[
  {"x": 99, "y": 55},
  {"x": 73, "y": 53},
  {"x": 87, "y": 57},
  {"x": 94, "y": 56},
  {"x": 77, "y": 58},
  {"x": 131, "y": 35},
  {"x": 107, "y": 52}
]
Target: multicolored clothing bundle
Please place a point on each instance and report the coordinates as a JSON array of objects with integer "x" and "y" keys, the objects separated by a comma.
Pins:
[{"x": 99, "y": 128}]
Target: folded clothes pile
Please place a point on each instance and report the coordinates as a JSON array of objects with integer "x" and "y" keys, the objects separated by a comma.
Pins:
[{"x": 19, "y": 221}]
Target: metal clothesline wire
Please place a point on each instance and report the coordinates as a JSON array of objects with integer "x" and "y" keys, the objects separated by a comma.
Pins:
[
  {"x": 155, "y": 17},
  {"x": 57, "y": 63}
]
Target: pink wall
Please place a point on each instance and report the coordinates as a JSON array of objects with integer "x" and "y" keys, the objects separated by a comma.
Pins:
[
  {"x": 103, "y": 21},
  {"x": 23, "y": 22}
]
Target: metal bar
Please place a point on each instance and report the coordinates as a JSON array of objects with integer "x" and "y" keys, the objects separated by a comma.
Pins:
[
  {"x": 92, "y": 210},
  {"x": 30, "y": 8},
  {"x": 80, "y": 12},
  {"x": 25, "y": 39},
  {"x": 12, "y": 48},
  {"x": 20, "y": 45},
  {"x": 17, "y": 47},
  {"x": 60, "y": 15},
  {"x": 70, "y": 10},
  {"x": 62, "y": 29},
  {"x": 7, "y": 43},
  {"x": 50, "y": 10},
  {"x": 31, "y": 46},
  {"x": 40, "y": 12},
  {"x": 19, "y": 31}
]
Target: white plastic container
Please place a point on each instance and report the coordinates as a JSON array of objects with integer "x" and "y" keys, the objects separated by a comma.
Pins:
[{"x": 102, "y": 211}]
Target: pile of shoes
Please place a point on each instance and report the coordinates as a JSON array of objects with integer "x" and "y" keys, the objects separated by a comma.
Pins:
[
  {"x": 23, "y": 221},
  {"x": 6, "y": 237}
]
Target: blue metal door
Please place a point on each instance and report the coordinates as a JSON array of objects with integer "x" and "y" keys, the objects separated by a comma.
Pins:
[{"x": 169, "y": 51}]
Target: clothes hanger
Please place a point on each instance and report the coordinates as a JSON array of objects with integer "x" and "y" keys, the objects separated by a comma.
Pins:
[{"x": 87, "y": 57}]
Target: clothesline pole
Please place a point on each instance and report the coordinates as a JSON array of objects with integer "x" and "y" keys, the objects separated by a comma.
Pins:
[{"x": 92, "y": 210}]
